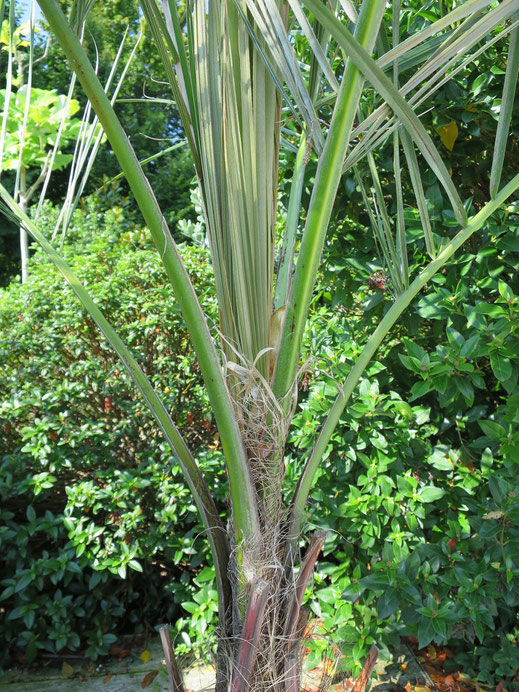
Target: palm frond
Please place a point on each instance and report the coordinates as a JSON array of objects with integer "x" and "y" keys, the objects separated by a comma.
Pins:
[
  {"x": 324, "y": 191},
  {"x": 401, "y": 240},
  {"x": 378, "y": 215},
  {"x": 238, "y": 109},
  {"x": 170, "y": 59},
  {"x": 392, "y": 96},
  {"x": 417, "y": 185},
  {"x": 505, "y": 112},
  {"x": 314, "y": 43},
  {"x": 448, "y": 62},
  {"x": 400, "y": 218},
  {"x": 88, "y": 143},
  {"x": 286, "y": 255}
]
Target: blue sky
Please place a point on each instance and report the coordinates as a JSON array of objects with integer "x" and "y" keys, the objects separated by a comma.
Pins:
[{"x": 25, "y": 6}]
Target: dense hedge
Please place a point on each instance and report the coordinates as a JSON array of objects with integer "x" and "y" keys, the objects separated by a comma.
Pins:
[
  {"x": 98, "y": 533},
  {"x": 418, "y": 487}
]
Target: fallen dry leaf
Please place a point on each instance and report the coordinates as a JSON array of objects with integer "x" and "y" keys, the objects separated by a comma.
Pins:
[
  {"x": 317, "y": 671},
  {"x": 107, "y": 679},
  {"x": 66, "y": 670},
  {"x": 149, "y": 678},
  {"x": 118, "y": 651}
]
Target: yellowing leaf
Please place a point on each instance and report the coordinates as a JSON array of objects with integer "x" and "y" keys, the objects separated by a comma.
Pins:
[
  {"x": 448, "y": 134},
  {"x": 493, "y": 515},
  {"x": 66, "y": 670},
  {"x": 107, "y": 679},
  {"x": 145, "y": 656}
]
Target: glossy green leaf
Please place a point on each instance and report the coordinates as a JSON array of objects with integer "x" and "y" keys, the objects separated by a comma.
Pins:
[
  {"x": 501, "y": 366},
  {"x": 431, "y": 493}
]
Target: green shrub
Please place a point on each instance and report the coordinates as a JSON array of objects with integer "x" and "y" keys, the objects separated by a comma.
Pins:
[
  {"x": 420, "y": 487},
  {"x": 98, "y": 532}
]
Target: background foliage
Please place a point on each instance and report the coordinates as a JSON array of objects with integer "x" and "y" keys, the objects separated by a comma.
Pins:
[
  {"x": 101, "y": 537},
  {"x": 94, "y": 513},
  {"x": 419, "y": 487},
  {"x": 98, "y": 533},
  {"x": 151, "y": 124}
]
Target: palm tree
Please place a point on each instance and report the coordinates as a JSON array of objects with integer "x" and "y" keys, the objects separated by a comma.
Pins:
[{"x": 242, "y": 93}]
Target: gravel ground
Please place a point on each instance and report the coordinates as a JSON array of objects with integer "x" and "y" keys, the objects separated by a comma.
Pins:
[{"x": 132, "y": 673}]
